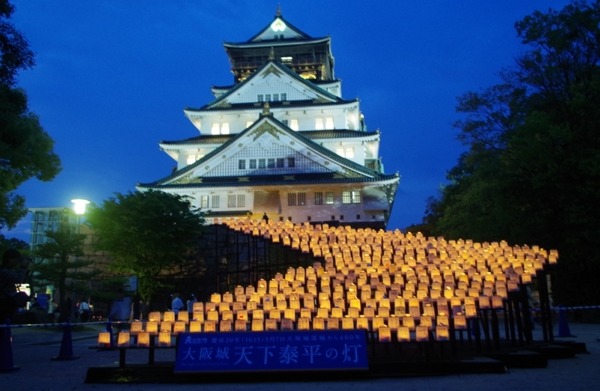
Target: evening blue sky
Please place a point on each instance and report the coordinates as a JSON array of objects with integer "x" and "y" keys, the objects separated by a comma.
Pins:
[{"x": 112, "y": 79}]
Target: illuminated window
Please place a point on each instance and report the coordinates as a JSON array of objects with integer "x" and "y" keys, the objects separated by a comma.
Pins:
[
  {"x": 319, "y": 123},
  {"x": 191, "y": 159},
  {"x": 351, "y": 197},
  {"x": 218, "y": 128},
  {"x": 249, "y": 123},
  {"x": 329, "y": 123},
  {"x": 225, "y": 128},
  {"x": 294, "y": 124},
  {"x": 204, "y": 201},
  {"x": 329, "y": 198}
]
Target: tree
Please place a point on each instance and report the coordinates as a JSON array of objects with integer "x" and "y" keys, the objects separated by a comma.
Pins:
[
  {"x": 151, "y": 235},
  {"x": 26, "y": 150},
  {"x": 59, "y": 264},
  {"x": 531, "y": 173}
]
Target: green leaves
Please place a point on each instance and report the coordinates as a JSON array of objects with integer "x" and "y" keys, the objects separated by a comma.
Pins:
[
  {"x": 148, "y": 234},
  {"x": 532, "y": 171}
]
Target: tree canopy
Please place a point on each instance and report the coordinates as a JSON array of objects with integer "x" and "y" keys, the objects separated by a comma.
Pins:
[
  {"x": 60, "y": 263},
  {"x": 26, "y": 150},
  {"x": 531, "y": 172},
  {"x": 151, "y": 235}
]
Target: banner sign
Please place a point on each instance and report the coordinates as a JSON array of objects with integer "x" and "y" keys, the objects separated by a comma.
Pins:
[{"x": 271, "y": 351}]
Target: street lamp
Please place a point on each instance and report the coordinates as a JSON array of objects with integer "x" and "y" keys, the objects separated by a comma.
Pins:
[{"x": 79, "y": 206}]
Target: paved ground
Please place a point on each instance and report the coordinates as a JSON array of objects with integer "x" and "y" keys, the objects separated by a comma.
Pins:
[{"x": 34, "y": 348}]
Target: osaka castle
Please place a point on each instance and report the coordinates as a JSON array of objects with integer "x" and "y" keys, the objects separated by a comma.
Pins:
[{"x": 281, "y": 142}]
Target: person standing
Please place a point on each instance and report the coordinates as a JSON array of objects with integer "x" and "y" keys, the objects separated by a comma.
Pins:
[
  {"x": 190, "y": 304},
  {"x": 177, "y": 303}
]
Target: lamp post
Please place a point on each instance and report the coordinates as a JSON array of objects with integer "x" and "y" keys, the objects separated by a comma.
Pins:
[{"x": 79, "y": 206}]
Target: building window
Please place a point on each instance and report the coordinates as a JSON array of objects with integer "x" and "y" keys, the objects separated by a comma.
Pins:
[
  {"x": 236, "y": 200},
  {"x": 262, "y": 163},
  {"x": 301, "y": 199},
  {"x": 294, "y": 124},
  {"x": 280, "y": 162},
  {"x": 319, "y": 124},
  {"x": 260, "y": 98},
  {"x": 242, "y": 164},
  {"x": 283, "y": 96},
  {"x": 351, "y": 197},
  {"x": 219, "y": 128},
  {"x": 296, "y": 199},
  {"x": 270, "y": 163},
  {"x": 329, "y": 198},
  {"x": 215, "y": 201},
  {"x": 291, "y": 162},
  {"x": 191, "y": 159},
  {"x": 204, "y": 201},
  {"x": 253, "y": 164},
  {"x": 285, "y": 122},
  {"x": 292, "y": 199},
  {"x": 329, "y": 123},
  {"x": 319, "y": 198},
  {"x": 275, "y": 97},
  {"x": 268, "y": 97},
  {"x": 225, "y": 128}
]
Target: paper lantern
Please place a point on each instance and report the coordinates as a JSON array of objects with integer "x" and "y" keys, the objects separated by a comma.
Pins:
[
  {"x": 164, "y": 338},
  {"x": 136, "y": 327},
  {"x": 104, "y": 339},
  {"x": 123, "y": 339},
  {"x": 195, "y": 326},
  {"x": 143, "y": 339}
]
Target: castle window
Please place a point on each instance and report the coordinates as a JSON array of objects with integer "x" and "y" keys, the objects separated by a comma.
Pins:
[
  {"x": 283, "y": 96},
  {"x": 275, "y": 97},
  {"x": 253, "y": 164},
  {"x": 294, "y": 124},
  {"x": 319, "y": 124},
  {"x": 271, "y": 163},
  {"x": 204, "y": 201},
  {"x": 319, "y": 198},
  {"x": 260, "y": 97},
  {"x": 291, "y": 162},
  {"x": 215, "y": 201},
  {"x": 351, "y": 197},
  {"x": 262, "y": 163},
  {"x": 242, "y": 164},
  {"x": 296, "y": 199},
  {"x": 268, "y": 97},
  {"x": 329, "y": 123},
  {"x": 329, "y": 198},
  {"x": 280, "y": 162}
]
